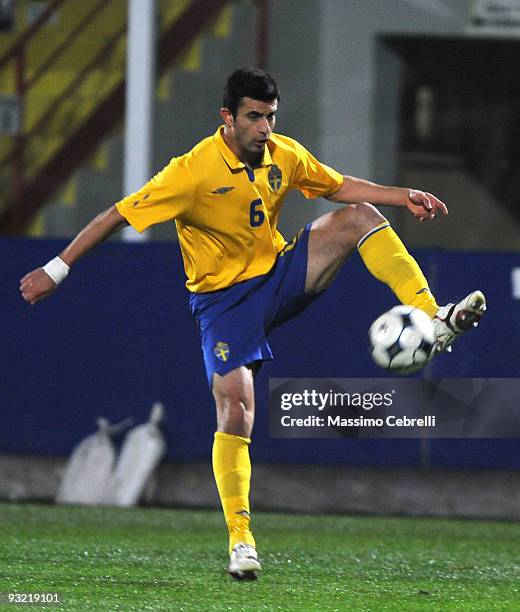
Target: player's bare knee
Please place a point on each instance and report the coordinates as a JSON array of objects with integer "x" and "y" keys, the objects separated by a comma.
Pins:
[
  {"x": 235, "y": 386},
  {"x": 360, "y": 219},
  {"x": 235, "y": 416},
  {"x": 234, "y": 400}
]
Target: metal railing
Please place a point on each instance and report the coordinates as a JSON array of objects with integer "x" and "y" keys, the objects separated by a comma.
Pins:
[
  {"x": 36, "y": 139},
  {"x": 34, "y": 180}
]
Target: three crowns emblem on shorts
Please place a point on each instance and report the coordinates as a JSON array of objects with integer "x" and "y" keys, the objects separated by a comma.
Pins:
[
  {"x": 275, "y": 177},
  {"x": 221, "y": 350}
]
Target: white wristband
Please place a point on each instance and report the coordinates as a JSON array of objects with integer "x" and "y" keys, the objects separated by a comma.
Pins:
[{"x": 57, "y": 269}]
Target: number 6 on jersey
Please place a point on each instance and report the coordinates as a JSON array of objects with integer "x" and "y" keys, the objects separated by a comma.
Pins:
[{"x": 256, "y": 216}]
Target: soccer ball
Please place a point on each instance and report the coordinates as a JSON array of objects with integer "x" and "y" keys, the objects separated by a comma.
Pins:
[{"x": 402, "y": 340}]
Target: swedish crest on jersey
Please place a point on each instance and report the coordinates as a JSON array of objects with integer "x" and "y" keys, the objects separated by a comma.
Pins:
[
  {"x": 221, "y": 350},
  {"x": 275, "y": 178}
]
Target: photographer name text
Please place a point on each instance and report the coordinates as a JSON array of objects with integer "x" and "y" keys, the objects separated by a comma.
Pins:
[{"x": 360, "y": 421}]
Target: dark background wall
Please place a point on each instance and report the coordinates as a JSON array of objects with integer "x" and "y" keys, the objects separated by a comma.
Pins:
[{"x": 118, "y": 335}]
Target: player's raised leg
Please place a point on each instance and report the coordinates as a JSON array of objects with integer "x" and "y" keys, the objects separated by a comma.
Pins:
[
  {"x": 335, "y": 235},
  {"x": 234, "y": 398}
]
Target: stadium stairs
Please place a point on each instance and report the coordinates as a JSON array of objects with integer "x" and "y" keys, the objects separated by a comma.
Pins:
[{"x": 72, "y": 58}]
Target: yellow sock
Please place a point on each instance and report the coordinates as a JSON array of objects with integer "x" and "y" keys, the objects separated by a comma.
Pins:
[
  {"x": 232, "y": 469},
  {"x": 387, "y": 259}
]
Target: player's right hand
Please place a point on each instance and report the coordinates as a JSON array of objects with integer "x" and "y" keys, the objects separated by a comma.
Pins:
[{"x": 36, "y": 285}]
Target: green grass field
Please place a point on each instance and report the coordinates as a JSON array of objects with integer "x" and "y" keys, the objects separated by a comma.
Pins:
[{"x": 150, "y": 559}]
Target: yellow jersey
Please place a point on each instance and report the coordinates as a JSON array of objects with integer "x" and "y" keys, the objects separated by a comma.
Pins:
[{"x": 226, "y": 213}]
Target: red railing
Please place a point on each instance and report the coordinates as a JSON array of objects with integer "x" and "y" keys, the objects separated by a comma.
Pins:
[
  {"x": 30, "y": 194},
  {"x": 17, "y": 54},
  {"x": 262, "y": 32},
  {"x": 15, "y": 158},
  {"x": 19, "y": 46}
]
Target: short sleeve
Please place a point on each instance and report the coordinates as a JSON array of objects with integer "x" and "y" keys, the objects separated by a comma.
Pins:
[
  {"x": 313, "y": 178},
  {"x": 168, "y": 195}
]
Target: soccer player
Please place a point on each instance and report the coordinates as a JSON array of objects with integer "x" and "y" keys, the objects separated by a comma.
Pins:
[{"x": 225, "y": 196}]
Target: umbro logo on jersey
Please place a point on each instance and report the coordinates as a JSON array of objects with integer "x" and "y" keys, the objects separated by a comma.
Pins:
[
  {"x": 222, "y": 190},
  {"x": 146, "y": 196}
]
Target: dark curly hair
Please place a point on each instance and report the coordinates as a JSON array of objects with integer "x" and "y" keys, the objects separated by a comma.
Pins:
[{"x": 251, "y": 82}]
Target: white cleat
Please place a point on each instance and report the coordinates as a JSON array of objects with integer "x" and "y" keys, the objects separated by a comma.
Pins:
[
  {"x": 454, "y": 319},
  {"x": 243, "y": 562}
]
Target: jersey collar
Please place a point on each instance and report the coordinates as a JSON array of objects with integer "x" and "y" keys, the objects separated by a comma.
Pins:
[{"x": 230, "y": 158}]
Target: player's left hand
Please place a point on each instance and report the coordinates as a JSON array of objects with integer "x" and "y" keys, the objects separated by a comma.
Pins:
[{"x": 424, "y": 206}]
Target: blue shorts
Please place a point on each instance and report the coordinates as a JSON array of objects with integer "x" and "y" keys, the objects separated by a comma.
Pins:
[{"x": 234, "y": 322}]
